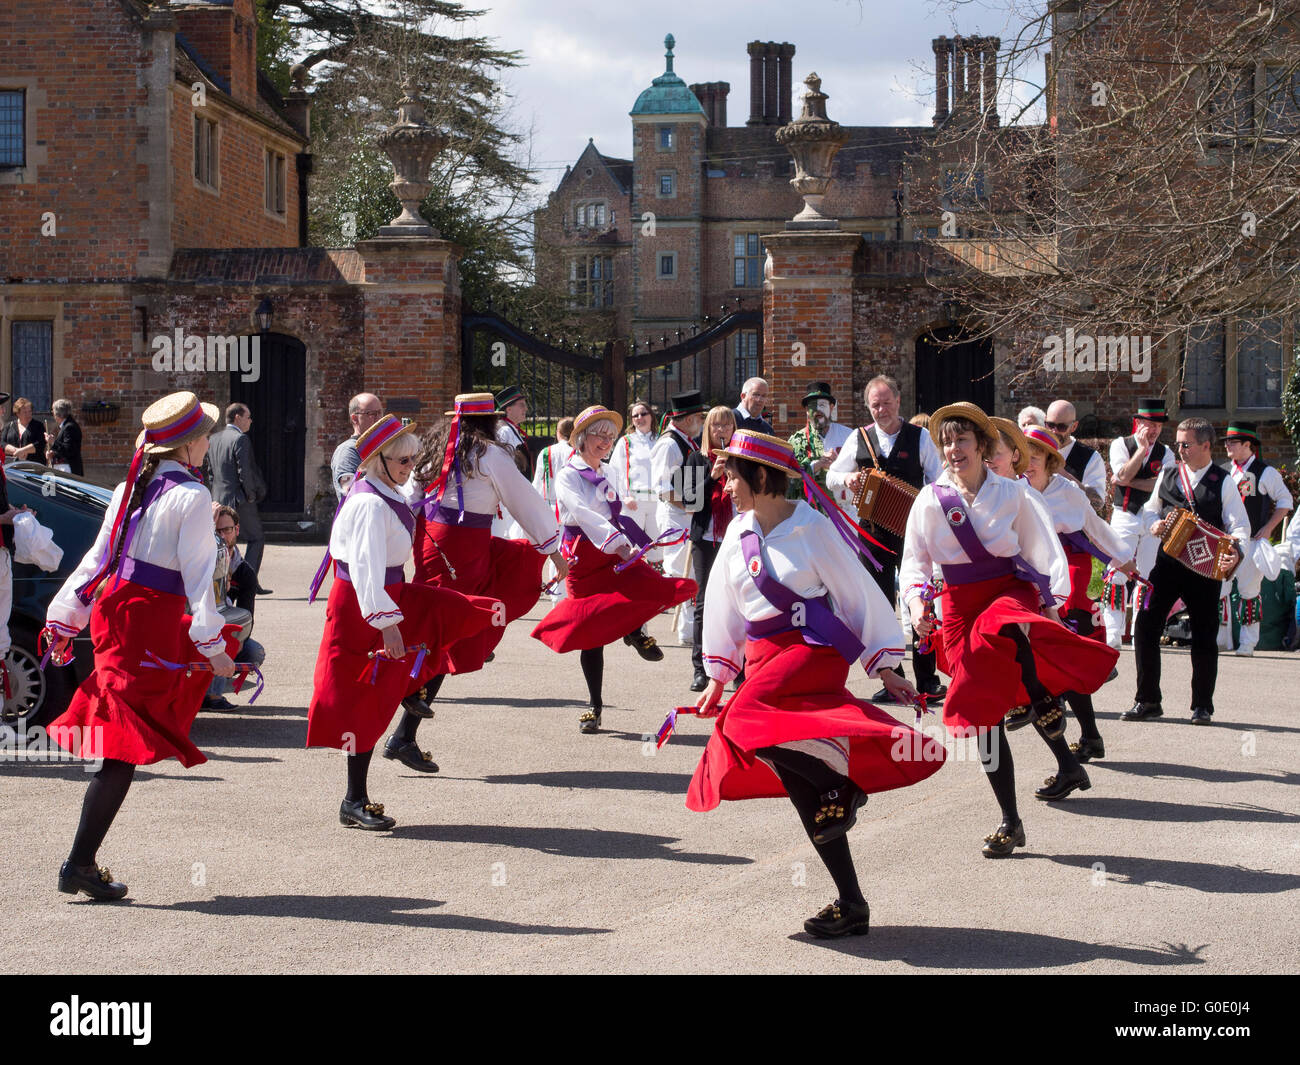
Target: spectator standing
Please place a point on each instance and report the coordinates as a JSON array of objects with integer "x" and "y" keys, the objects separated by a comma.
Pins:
[
  {"x": 24, "y": 436},
  {"x": 65, "y": 443},
  {"x": 753, "y": 404},
  {"x": 237, "y": 482},
  {"x": 364, "y": 410}
]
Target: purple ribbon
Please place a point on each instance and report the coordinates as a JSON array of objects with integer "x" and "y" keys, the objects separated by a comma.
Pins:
[
  {"x": 621, "y": 521},
  {"x": 843, "y": 526},
  {"x": 242, "y": 671},
  {"x": 664, "y": 539},
  {"x": 360, "y": 484},
  {"x": 1080, "y": 542}
]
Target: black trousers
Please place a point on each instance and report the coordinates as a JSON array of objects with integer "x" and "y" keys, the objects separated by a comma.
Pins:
[
  {"x": 1171, "y": 581},
  {"x": 923, "y": 667},
  {"x": 703, "y": 552}
]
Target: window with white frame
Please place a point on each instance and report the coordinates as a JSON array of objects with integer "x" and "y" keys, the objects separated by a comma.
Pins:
[
  {"x": 591, "y": 281},
  {"x": 205, "y": 151},
  {"x": 747, "y": 256},
  {"x": 275, "y": 177},
  {"x": 667, "y": 183},
  {"x": 13, "y": 127},
  {"x": 32, "y": 349},
  {"x": 667, "y": 141},
  {"x": 667, "y": 269}
]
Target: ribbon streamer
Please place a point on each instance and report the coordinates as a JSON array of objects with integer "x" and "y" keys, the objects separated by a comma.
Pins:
[
  {"x": 243, "y": 670},
  {"x": 371, "y": 672},
  {"x": 669, "y": 538},
  {"x": 670, "y": 723},
  {"x": 45, "y": 643},
  {"x": 928, "y": 592},
  {"x": 840, "y": 519}
]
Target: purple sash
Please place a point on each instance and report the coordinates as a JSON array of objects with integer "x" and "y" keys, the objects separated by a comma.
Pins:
[
  {"x": 360, "y": 484},
  {"x": 983, "y": 565},
  {"x": 444, "y": 515},
  {"x": 621, "y": 521},
  {"x": 392, "y": 575},
  {"x": 820, "y": 625},
  {"x": 1079, "y": 542}
]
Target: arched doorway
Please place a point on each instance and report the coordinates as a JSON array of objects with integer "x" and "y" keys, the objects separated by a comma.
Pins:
[
  {"x": 278, "y": 402},
  {"x": 947, "y": 374}
]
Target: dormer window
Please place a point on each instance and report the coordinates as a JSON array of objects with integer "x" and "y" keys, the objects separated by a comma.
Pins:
[{"x": 667, "y": 142}]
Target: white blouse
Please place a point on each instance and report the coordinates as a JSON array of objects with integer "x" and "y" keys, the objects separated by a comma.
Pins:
[
  {"x": 666, "y": 458},
  {"x": 370, "y": 539},
  {"x": 1072, "y": 512},
  {"x": 587, "y": 506},
  {"x": 177, "y": 533},
  {"x": 497, "y": 480},
  {"x": 633, "y": 475},
  {"x": 549, "y": 463},
  {"x": 807, "y": 555},
  {"x": 1004, "y": 517}
]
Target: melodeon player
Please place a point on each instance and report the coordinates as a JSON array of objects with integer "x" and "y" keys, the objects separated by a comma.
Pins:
[
  {"x": 904, "y": 451},
  {"x": 1195, "y": 484}
]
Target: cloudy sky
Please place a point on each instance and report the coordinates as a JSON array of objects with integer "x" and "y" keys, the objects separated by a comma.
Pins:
[{"x": 586, "y": 63}]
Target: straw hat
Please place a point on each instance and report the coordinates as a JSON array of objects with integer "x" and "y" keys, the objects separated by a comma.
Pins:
[
  {"x": 381, "y": 434},
  {"x": 1018, "y": 441},
  {"x": 1045, "y": 441},
  {"x": 174, "y": 421},
  {"x": 596, "y": 413},
  {"x": 766, "y": 450},
  {"x": 970, "y": 412},
  {"x": 474, "y": 403}
]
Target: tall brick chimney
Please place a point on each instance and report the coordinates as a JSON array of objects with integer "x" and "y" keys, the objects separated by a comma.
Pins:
[
  {"x": 770, "y": 83},
  {"x": 713, "y": 98},
  {"x": 224, "y": 35}
]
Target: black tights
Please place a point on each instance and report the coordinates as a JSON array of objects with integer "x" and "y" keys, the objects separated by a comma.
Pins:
[
  {"x": 593, "y": 669},
  {"x": 358, "y": 770},
  {"x": 995, "y": 756},
  {"x": 1081, "y": 705},
  {"x": 806, "y": 779},
  {"x": 1065, "y": 759},
  {"x": 406, "y": 727},
  {"x": 104, "y": 796}
]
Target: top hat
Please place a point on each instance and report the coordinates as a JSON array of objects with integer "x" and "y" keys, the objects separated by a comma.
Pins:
[
  {"x": 684, "y": 403},
  {"x": 1152, "y": 410},
  {"x": 962, "y": 409},
  {"x": 475, "y": 403},
  {"x": 818, "y": 390},
  {"x": 509, "y": 395},
  {"x": 767, "y": 450},
  {"x": 381, "y": 434},
  {"x": 175, "y": 420},
  {"x": 1243, "y": 431},
  {"x": 593, "y": 414},
  {"x": 1018, "y": 441}
]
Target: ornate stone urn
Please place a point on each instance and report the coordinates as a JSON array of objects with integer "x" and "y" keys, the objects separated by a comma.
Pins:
[
  {"x": 813, "y": 140},
  {"x": 411, "y": 145}
]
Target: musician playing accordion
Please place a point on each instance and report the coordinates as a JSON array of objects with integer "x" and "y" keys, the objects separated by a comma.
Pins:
[{"x": 1193, "y": 484}]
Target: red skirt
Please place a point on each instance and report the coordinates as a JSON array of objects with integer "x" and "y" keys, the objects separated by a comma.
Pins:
[
  {"x": 603, "y": 605},
  {"x": 486, "y": 565},
  {"x": 1080, "y": 578},
  {"x": 347, "y": 711},
  {"x": 794, "y": 691},
  {"x": 986, "y": 680},
  {"x": 126, "y": 712}
]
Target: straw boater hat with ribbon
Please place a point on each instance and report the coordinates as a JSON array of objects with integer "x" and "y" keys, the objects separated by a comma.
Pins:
[
  {"x": 971, "y": 413},
  {"x": 593, "y": 414},
  {"x": 1045, "y": 441},
  {"x": 381, "y": 434},
  {"x": 1243, "y": 431},
  {"x": 766, "y": 450},
  {"x": 1018, "y": 441}
]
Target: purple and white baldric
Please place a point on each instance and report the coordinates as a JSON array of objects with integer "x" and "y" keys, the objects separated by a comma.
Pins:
[
  {"x": 634, "y": 533},
  {"x": 361, "y": 485},
  {"x": 983, "y": 566}
]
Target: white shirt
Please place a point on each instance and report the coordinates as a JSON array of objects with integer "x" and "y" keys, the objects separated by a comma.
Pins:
[
  {"x": 1094, "y": 474},
  {"x": 1119, "y": 456},
  {"x": 1072, "y": 512},
  {"x": 508, "y": 433},
  {"x": 1270, "y": 484},
  {"x": 1004, "y": 517},
  {"x": 807, "y": 555},
  {"x": 846, "y": 463},
  {"x": 176, "y": 532},
  {"x": 549, "y": 462},
  {"x": 370, "y": 538},
  {"x": 665, "y": 460},
  {"x": 497, "y": 480},
  {"x": 837, "y": 436},
  {"x": 1235, "y": 519},
  {"x": 587, "y": 505},
  {"x": 631, "y": 467}
]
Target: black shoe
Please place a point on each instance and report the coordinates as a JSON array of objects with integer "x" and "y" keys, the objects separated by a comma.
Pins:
[
  {"x": 1057, "y": 787},
  {"x": 491, "y": 655},
  {"x": 1202, "y": 716},
  {"x": 589, "y": 723},
  {"x": 1114, "y": 673},
  {"x": 934, "y": 690},
  {"x": 838, "y": 811},
  {"x": 410, "y": 755},
  {"x": 1050, "y": 716},
  {"x": 415, "y": 704},
  {"x": 1018, "y": 717},
  {"x": 367, "y": 815},
  {"x": 1086, "y": 750},
  {"x": 645, "y": 646},
  {"x": 1142, "y": 711},
  {"x": 1004, "y": 840},
  {"x": 882, "y": 696},
  {"x": 840, "y": 919},
  {"x": 220, "y": 703},
  {"x": 97, "y": 882},
  {"x": 700, "y": 682},
  {"x": 263, "y": 591}
]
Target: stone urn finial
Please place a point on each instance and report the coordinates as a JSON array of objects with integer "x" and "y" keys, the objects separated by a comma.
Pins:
[
  {"x": 412, "y": 145},
  {"x": 813, "y": 140}
]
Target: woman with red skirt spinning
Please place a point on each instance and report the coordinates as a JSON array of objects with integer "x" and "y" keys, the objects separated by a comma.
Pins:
[
  {"x": 384, "y": 638},
  {"x": 611, "y": 590},
  {"x": 1004, "y": 576},
  {"x": 462, "y": 475},
  {"x": 155, "y": 553},
  {"x": 788, "y": 600}
]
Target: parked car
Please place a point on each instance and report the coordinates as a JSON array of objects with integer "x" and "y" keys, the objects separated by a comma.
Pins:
[{"x": 73, "y": 509}]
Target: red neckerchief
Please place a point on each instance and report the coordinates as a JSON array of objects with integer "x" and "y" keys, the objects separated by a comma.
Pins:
[{"x": 691, "y": 444}]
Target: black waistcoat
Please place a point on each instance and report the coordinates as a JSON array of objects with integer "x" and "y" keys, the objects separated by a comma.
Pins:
[
  {"x": 904, "y": 462},
  {"x": 1132, "y": 499},
  {"x": 1076, "y": 462},
  {"x": 1208, "y": 503},
  {"x": 1259, "y": 507}
]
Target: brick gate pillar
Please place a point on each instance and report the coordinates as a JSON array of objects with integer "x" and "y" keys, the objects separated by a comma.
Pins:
[
  {"x": 411, "y": 289},
  {"x": 807, "y": 320}
]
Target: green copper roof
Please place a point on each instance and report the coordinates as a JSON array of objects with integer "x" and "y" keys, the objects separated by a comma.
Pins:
[{"x": 668, "y": 94}]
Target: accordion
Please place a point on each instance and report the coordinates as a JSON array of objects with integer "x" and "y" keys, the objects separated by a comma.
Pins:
[
  {"x": 1199, "y": 546},
  {"x": 885, "y": 501}
]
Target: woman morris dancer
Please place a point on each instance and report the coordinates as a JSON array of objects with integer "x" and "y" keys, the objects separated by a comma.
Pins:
[
  {"x": 462, "y": 474},
  {"x": 1001, "y": 564},
  {"x": 789, "y": 599},
  {"x": 633, "y": 472},
  {"x": 611, "y": 590},
  {"x": 155, "y": 553},
  {"x": 1084, "y": 536},
  {"x": 384, "y": 638}
]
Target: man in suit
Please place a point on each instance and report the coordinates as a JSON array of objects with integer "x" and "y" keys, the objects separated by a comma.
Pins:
[
  {"x": 237, "y": 482},
  {"x": 753, "y": 402},
  {"x": 24, "y": 436}
]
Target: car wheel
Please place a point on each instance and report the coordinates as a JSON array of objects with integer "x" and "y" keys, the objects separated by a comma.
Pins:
[{"x": 35, "y": 697}]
